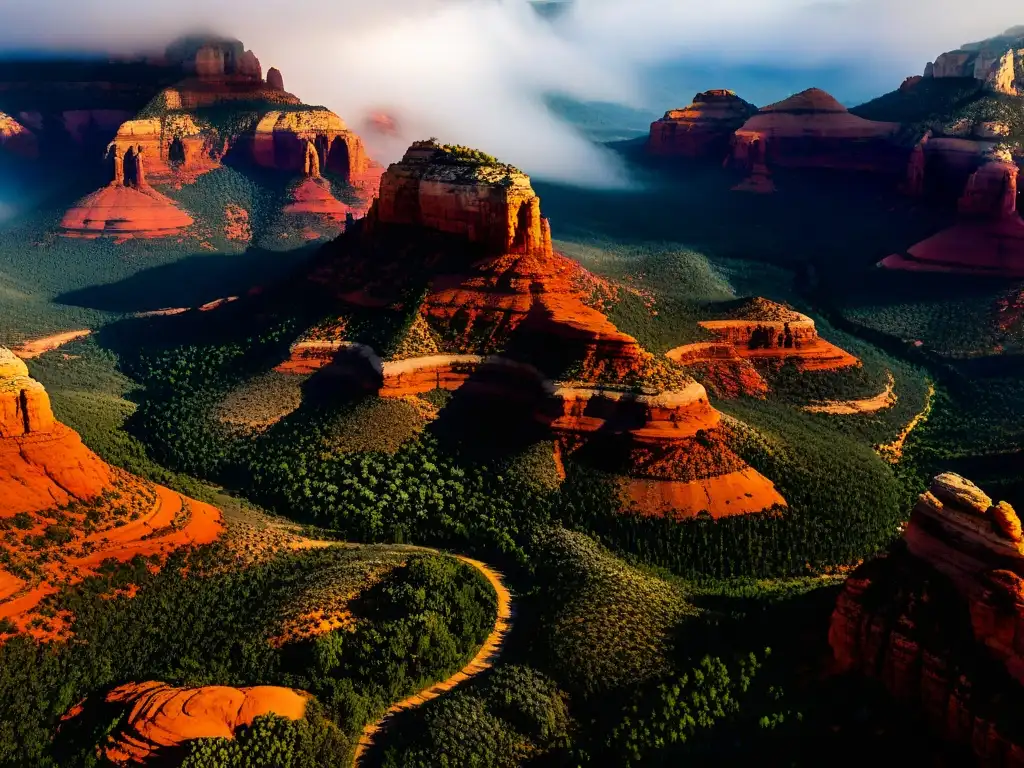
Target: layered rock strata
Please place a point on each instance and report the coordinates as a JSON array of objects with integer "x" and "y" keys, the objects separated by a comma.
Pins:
[
  {"x": 505, "y": 319},
  {"x": 67, "y": 499},
  {"x": 940, "y": 620},
  {"x": 811, "y": 130},
  {"x": 161, "y": 717},
  {"x": 701, "y": 130},
  {"x": 762, "y": 331},
  {"x": 997, "y": 62}
]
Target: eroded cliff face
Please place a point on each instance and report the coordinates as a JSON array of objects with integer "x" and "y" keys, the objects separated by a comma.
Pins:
[
  {"x": 47, "y": 475},
  {"x": 998, "y": 62},
  {"x": 940, "y": 620},
  {"x": 161, "y": 717},
  {"x": 701, "y": 130},
  {"x": 505, "y": 320},
  {"x": 16, "y": 138}
]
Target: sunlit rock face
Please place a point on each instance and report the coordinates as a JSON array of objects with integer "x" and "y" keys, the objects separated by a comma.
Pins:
[
  {"x": 45, "y": 469},
  {"x": 701, "y": 130},
  {"x": 998, "y": 62},
  {"x": 160, "y": 717},
  {"x": 940, "y": 620}
]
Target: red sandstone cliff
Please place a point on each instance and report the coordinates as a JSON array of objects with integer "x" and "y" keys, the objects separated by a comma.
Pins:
[
  {"x": 998, "y": 62},
  {"x": 940, "y": 620},
  {"x": 68, "y": 497},
  {"x": 703, "y": 129}
]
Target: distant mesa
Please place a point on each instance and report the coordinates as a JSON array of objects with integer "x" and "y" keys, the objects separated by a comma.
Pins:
[
  {"x": 381, "y": 123},
  {"x": 159, "y": 717},
  {"x": 988, "y": 238},
  {"x": 16, "y": 139},
  {"x": 763, "y": 331},
  {"x": 173, "y": 142},
  {"x": 701, "y": 130},
  {"x": 997, "y": 62},
  {"x": 939, "y": 621},
  {"x": 505, "y": 318},
  {"x": 47, "y": 474},
  {"x": 812, "y": 130}
]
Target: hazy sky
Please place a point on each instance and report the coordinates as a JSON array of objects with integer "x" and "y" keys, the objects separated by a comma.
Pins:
[{"x": 474, "y": 71}]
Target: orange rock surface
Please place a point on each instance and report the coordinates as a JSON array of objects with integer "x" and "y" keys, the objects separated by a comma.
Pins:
[
  {"x": 940, "y": 620},
  {"x": 33, "y": 348},
  {"x": 721, "y": 368},
  {"x": 763, "y": 330},
  {"x": 281, "y": 138},
  {"x": 813, "y": 130},
  {"x": 989, "y": 237},
  {"x": 47, "y": 474},
  {"x": 120, "y": 211},
  {"x": 16, "y": 138},
  {"x": 703, "y": 129},
  {"x": 161, "y": 716},
  {"x": 313, "y": 196}
]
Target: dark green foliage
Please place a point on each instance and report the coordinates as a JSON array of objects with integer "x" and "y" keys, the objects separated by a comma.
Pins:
[
  {"x": 214, "y": 629},
  {"x": 272, "y": 742}
]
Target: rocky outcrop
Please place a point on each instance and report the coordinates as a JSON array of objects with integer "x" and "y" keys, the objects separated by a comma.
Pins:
[
  {"x": 275, "y": 80},
  {"x": 988, "y": 239},
  {"x": 128, "y": 207},
  {"x": 701, "y": 130},
  {"x": 16, "y": 138},
  {"x": 46, "y": 473},
  {"x": 282, "y": 138},
  {"x": 940, "y": 620},
  {"x": 813, "y": 130},
  {"x": 760, "y": 330},
  {"x": 161, "y": 717},
  {"x": 997, "y": 62},
  {"x": 503, "y": 318}
]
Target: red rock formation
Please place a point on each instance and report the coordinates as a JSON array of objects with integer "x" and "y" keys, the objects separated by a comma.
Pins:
[
  {"x": 162, "y": 717},
  {"x": 16, "y": 138},
  {"x": 703, "y": 129},
  {"x": 762, "y": 330},
  {"x": 275, "y": 80},
  {"x": 721, "y": 369},
  {"x": 940, "y": 620},
  {"x": 124, "y": 212},
  {"x": 998, "y": 62},
  {"x": 381, "y": 123},
  {"x": 281, "y": 141},
  {"x": 813, "y": 130},
  {"x": 988, "y": 239},
  {"x": 45, "y": 468},
  {"x": 506, "y": 319}
]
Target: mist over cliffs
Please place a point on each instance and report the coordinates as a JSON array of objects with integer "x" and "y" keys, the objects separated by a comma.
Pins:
[{"x": 476, "y": 71}]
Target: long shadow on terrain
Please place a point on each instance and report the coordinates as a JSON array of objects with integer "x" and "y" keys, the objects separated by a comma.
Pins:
[{"x": 189, "y": 282}]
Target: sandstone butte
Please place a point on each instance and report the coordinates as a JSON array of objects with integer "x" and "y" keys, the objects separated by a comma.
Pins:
[
  {"x": 177, "y": 146},
  {"x": 519, "y": 331},
  {"x": 988, "y": 238},
  {"x": 701, "y": 130},
  {"x": 761, "y": 331},
  {"x": 940, "y": 619},
  {"x": 16, "y": 139},
  {"x": 813, "y": 130},
  {"x": 161, "y": 717},
  {"x": 48, "y": 475}
]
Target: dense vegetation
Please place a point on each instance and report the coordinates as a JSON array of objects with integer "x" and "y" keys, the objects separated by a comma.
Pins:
[{"x": 418, "y": 624}]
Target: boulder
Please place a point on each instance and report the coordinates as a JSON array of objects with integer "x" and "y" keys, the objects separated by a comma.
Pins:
[
  {"x": 161, "y": 717},
  {"x": 1005, "y": 520},
  {"x": 702, "y": 129},
  {"x": 952, "y": 489}
]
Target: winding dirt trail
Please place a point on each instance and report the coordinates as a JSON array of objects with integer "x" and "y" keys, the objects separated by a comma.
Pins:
[
  {"x": 884, "y": 399},
  {"x": 483, "y": 660},
  {"x": 34, "y": 348}
]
